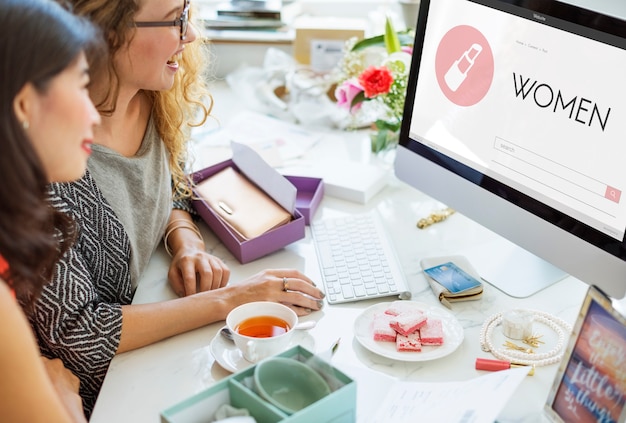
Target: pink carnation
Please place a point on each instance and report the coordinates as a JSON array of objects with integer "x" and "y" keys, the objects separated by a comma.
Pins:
[{"x": 346, "y": 92}]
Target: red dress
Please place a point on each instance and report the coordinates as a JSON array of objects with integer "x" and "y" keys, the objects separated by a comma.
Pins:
[{"x": 3, "y": 267}]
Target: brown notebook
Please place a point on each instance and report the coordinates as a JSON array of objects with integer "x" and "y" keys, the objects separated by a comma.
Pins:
[{"x": 244, "y": 207}]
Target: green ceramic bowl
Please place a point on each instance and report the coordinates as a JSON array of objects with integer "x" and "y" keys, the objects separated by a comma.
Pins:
[{"x": 289, "y": 384}]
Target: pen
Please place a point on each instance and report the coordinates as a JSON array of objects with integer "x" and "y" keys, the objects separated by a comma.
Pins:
[
  {"x": 495, "y": 365},
  {"x": 329, "y": 353}
]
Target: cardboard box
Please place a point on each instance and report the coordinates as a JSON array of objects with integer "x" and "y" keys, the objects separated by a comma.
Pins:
[
  {"x": 326, "y": 32},
  {"x": 338, "y": 407}
]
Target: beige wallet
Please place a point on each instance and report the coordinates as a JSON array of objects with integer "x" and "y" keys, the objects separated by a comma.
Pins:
[
  {"x": 441, "y": 292},
  {"x": 244, "y": 207}
]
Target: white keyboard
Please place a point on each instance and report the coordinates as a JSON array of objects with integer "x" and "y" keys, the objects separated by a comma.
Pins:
[{"x": 357, "y": 260}]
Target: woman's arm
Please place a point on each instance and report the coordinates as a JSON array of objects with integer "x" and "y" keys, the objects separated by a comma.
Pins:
[
  {"x": 192, "y": 269},
  {"x": 66, "y": 385},
  {"x": 26, "y": 392},
  {"x": 144, "y": 324},
  {"x": 78, "y": 316}
]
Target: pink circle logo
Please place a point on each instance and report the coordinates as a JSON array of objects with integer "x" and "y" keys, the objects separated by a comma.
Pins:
[{"x": 464, "y": 65}]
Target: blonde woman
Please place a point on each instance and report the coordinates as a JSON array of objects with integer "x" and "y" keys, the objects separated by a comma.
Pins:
[{"x": 148, "y": 95}]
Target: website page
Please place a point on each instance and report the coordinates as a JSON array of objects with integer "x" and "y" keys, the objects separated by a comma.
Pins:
[{"x": 535, "y": 107}]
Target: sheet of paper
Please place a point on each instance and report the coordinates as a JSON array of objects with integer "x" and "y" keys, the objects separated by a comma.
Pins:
[
  {"x": 477, "y": 400},
  {"x": 291, "y": 140},
  {"x": 371, "y": 388},
  {"x": 277, "y": 141}
]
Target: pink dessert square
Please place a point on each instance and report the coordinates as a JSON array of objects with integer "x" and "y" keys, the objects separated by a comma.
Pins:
[
  {"x": 400, "y": 306},
  {"x": 409, "y": 343},
  {"x": 381, "y": 329},
  {"x": 432, "y": 332},
  {"x": 408, "y": 322}
]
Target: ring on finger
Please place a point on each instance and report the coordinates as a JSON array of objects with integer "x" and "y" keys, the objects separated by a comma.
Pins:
[{"x": 285, "y": 284}]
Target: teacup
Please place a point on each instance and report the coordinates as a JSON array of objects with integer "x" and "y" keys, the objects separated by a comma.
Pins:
[
  {"x": 289, "y": 384},
  {"x": 261, "y": 329}
]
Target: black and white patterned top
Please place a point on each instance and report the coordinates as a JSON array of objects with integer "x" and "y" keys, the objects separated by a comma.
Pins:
[
  {"x": 79, "y": 315},
  {"x": 121, "y": 207}
]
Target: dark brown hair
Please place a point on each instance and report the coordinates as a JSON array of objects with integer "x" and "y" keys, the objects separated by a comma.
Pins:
[{"x": 38, "y": 40}]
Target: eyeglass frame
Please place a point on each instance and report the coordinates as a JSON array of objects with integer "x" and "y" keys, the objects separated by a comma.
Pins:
[{"x": 182, "y": 21}]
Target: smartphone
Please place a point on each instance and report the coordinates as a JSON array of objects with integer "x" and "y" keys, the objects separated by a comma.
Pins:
[{"x": 452, "y": 277}]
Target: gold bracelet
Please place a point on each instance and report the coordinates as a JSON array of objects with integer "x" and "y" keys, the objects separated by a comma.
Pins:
[
  {"x": 435, "y": 217},
  {"x": 186, "y": 225},
  {"x": 178, "y": 220}
]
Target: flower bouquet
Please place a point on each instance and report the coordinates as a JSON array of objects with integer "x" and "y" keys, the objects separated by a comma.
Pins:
[{"x": 371, "y": 80}]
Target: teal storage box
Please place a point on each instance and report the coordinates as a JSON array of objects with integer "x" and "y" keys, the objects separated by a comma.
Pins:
[{"x": 237, "y": 390}]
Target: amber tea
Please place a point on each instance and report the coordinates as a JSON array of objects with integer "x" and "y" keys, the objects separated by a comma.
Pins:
[{"x": 262, "y": 327}]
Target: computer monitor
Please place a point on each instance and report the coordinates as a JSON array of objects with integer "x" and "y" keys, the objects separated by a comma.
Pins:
[{"x": 515, "y": 116}]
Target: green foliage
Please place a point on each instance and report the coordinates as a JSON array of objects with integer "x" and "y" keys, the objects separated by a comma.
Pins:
[
  {"x": 405, "y": 38},
  {"x": 392, "y": 43}
]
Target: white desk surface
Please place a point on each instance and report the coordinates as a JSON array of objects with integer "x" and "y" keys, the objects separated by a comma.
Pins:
[{"x": 142, "y": 383}]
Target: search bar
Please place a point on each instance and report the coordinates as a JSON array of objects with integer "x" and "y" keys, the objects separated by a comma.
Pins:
[{"x": 550, "y": 173}]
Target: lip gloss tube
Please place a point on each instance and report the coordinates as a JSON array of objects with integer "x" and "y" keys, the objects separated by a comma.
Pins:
[{"x": 495, "y": 365}]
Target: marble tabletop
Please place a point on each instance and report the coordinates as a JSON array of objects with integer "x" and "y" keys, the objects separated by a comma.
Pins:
[{"x": 142, "y": 383}]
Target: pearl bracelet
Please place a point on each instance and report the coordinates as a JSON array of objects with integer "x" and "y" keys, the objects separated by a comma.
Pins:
[{"x": 559, "y": 326}]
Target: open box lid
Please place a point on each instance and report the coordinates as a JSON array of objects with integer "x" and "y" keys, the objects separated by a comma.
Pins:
[{"x": 251, "y": 164}]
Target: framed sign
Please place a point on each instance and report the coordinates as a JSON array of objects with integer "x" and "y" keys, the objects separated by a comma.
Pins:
[{"x": 590, "y": 385}]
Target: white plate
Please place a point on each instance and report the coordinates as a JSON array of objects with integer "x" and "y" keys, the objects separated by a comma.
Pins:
[
  {"x": 229, "y": 357},
  {"x": 452, "y": 334}
]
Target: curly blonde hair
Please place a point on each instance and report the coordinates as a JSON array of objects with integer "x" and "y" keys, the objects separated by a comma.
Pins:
[
  {"x": 174, "y": 111},
  {"x": 188, "y": 104}
]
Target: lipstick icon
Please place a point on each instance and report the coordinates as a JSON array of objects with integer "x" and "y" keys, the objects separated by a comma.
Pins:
[{"x": 459, "y": 69}]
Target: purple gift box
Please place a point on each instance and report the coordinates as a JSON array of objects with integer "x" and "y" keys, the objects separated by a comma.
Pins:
[{"x": 308, "y": 197}]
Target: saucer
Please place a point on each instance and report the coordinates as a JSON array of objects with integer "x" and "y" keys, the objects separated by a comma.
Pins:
[{"x": 230, "y": 358}]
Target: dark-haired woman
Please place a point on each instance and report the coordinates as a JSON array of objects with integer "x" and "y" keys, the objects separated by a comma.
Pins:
[{"x": 46, "y": 127}]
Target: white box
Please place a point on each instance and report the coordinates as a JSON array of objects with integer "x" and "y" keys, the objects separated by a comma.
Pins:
[{"x": 352, "y": 181}]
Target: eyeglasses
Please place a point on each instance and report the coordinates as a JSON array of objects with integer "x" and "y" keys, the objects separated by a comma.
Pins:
[{"x": 182, "y": 21}]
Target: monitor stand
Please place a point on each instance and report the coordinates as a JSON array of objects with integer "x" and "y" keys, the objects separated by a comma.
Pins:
[{"x": 512, "y": 269}]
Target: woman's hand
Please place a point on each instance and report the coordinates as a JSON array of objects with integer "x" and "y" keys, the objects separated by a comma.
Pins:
[
  {"x": 193, "y": 270},
  {"x": 286, "y": 286}
]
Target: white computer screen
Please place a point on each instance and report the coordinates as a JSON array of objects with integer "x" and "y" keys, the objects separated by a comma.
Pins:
[
  {"x": 516, "y": 116},
  {"x": 528, "y": 104}
]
